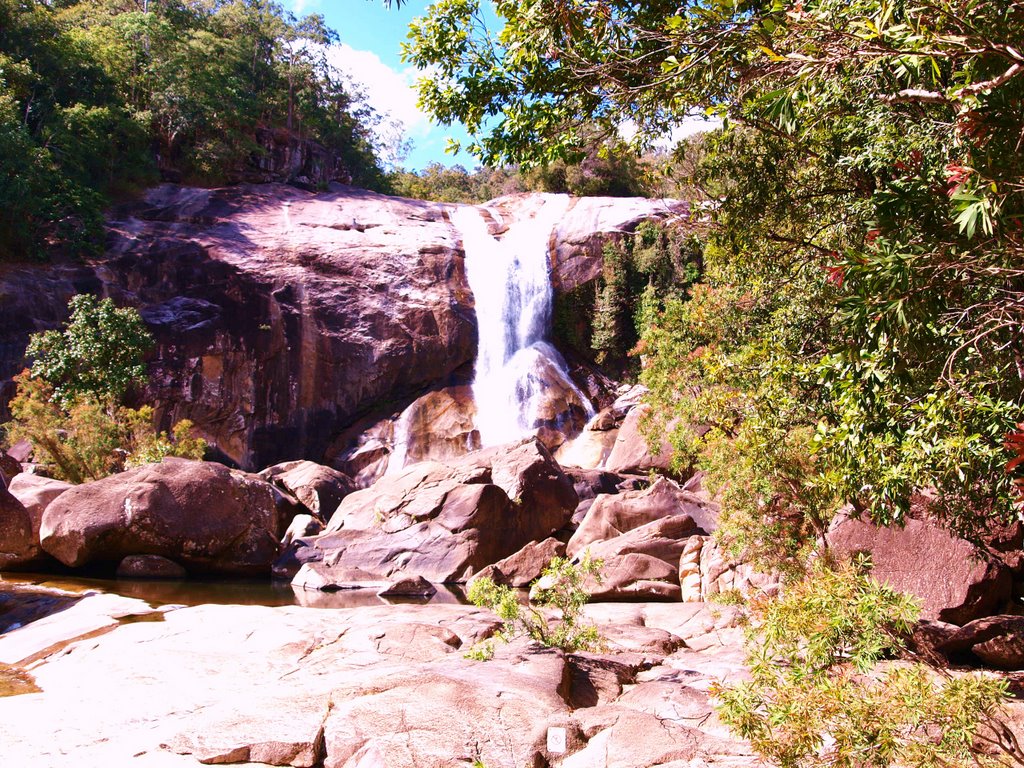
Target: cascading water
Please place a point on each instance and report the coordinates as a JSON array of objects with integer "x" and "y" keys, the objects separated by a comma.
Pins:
[{"x": 511, "y": 284}]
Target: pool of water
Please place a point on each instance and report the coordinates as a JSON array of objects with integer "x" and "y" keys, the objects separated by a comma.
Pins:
[{"x": 220, "y": 592}]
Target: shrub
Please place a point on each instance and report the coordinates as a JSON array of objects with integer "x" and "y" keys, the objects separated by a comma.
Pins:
[
  {"x": 817, "y": 695},
  {"x": 560, "y": 587}
]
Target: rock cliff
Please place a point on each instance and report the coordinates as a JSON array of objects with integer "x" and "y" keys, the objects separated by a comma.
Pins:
[{"x": 283, "y": 316}]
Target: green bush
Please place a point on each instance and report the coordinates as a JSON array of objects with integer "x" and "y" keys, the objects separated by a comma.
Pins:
[
  {"x": 817, "y": 695},
  {"x": 560, "y": 587}
]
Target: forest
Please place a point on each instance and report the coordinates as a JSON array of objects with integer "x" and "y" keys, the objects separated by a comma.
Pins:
[{"x": 100, "y": 99}]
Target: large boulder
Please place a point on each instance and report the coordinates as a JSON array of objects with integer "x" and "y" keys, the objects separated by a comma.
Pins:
[
  {"x": 954, "y": 580},
  {"x": 612, "y": 515},
  {"x": 526, "y": 565},
  {"x": 206, "y": 517},
  {"x": 318, "y": 488},
  {"x": 632, "y": 452},
  {"x": 36, "y": 493},
  {"x": 443, "y": 522},
  {"x": 16, "y": 540},
  {"x": 642, "y": 564}
]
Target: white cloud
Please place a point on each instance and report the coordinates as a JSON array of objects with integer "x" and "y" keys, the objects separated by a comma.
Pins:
[
  {"x": 388, "y": 91},
  {"x": 690, "y": 125}
]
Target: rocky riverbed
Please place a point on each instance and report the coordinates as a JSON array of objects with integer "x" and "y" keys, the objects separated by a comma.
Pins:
[{"x": 123, "y": 683}]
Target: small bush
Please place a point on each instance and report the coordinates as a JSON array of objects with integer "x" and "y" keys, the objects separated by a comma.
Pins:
[
  {"x": 817, "y": 696},
  {"x": 560, "y": 587}
]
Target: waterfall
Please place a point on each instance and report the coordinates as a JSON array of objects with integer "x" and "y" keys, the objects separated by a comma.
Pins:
[{"x": 516, "y": 372}]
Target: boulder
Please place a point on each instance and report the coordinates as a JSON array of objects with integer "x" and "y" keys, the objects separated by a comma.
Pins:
[
  {"x": 437, "y": 426},
  {"x": 642, "y": 564},
  {"x": 410, "y": 586},
  {"x": 300, "y": 527},
  {"x": 997, "y": 640},
  {"x": 207, "y": 517},
  {"x": 443, "y": 522},
  {"x": 613, "y": 515},
  {"x": 9, "y": 466},
  {"x": 721, "y": 574},
  {"x": 320, "y": 489},
  {"x": 36, "y": 493},
  {"x": 526, "y": 565},
  {"x": 955, "y": 581},
  {"x": 17, "y": 544},
  {"x": 632, "y": 453}
]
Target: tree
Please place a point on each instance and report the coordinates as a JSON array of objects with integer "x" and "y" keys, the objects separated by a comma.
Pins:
[
  {"x": 99, "y": 353},
  {"x": 560, "y": 587},
  {"x": 816, "y": 695}
]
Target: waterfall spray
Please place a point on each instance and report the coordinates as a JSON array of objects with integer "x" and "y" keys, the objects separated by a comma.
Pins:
[{"x": 511, "y": 287}]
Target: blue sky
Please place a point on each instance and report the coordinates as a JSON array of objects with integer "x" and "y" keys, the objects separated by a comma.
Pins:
[{"x": 369, "y": 51}]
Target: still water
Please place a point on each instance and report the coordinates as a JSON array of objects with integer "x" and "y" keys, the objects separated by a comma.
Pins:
[{"x": 221, "y": 592}]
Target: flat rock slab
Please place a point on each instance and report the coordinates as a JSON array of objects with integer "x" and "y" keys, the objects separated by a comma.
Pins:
[{"x": 371, "y": 686}]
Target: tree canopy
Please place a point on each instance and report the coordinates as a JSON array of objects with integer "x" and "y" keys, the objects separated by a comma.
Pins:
[{"x": 857, "y": 334}]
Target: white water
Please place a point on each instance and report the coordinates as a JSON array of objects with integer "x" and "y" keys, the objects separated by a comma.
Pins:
[{"x": 511, "y": 284}]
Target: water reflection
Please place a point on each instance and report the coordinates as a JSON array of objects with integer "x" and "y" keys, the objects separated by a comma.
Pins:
[{"x": 228, "y": 592}]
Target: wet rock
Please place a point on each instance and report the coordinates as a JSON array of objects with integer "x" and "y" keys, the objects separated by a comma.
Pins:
[
  {"x": 150, "y": 567},
  {"x": 318, "y": 488},
  {"x": 954, "y": 580},
  {"x": 203, "y": 515}
]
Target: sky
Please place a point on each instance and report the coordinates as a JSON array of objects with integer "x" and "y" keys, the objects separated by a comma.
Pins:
[{"x": 369, "y": 51}]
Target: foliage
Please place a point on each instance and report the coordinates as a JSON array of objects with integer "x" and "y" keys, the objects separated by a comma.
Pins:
[
  {"x": 98, "y": 354},
  {"x": 90, "y": 439},
  {"x": 639, "y": 272},
  {"x": 98, "y": 96},
  {"x": 69, "y": 404},
  {"x": 560, "y": 587},
  {"x": 817, "y": 696}
]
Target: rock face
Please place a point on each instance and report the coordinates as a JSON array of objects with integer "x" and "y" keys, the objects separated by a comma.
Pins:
[
  {"x": 282, "y": 316},
  {"x": 202, "y": 515},
  {"x": 954, "y": 580},
  {"x": 443, "y": 522}
]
